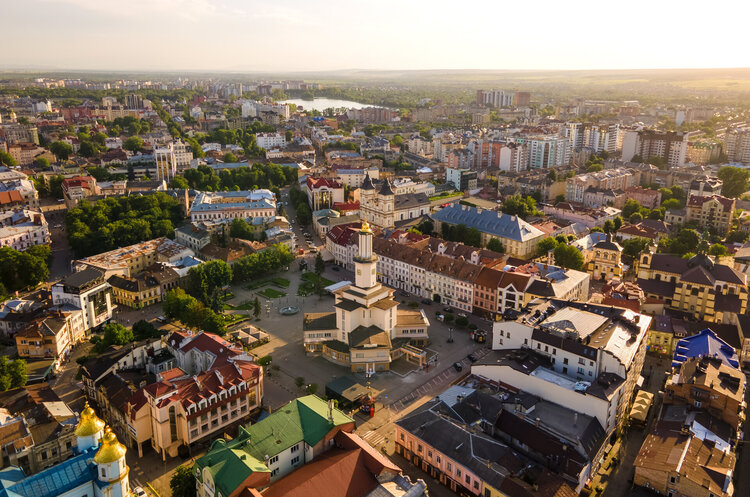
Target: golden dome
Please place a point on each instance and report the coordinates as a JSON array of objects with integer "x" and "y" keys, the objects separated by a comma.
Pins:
[
  {"x": 89, "y": 424},
  {"x": 366, "y": 226},
  {"x": 111, "y": 450}
]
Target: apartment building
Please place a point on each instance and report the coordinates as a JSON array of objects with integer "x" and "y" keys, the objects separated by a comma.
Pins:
[
  {"x": 461, "y": 158},
  {"x": 462, "y": 178},
  {"x": 14, "y": 183},
  {"x": 647, "y": 197},
  {"x": 594, "y": 137},
  {"x": 709, "y": 385},
  {"x": 323, "y": 193},
  {"x": 710, "y": 212},
  {"x": 78, "y": 188},
  {"x": 737, "y": 145},
  {"x": 270, "y": 140},
  {"x": 88, "y": 291},
  {"x": 25, "y": 153},
  {"x": 546, "y": 152},
  {"x": 608, "y": 179},
  {"x": 697, "y": 287},
  {"x": 606, "y": 262},
  {"x": 133, "y": 260},
  {"x": 549, "y": 281},
  {"x": 670, "y": 146},
  {"x": 519, "y": 238},
  {"x": 498, "y": 98},
  {"x": 579, "y": 213},
  {"x": 594, "y": 350},
  {"x": 22, "y": 229},
  {"x": 51, "y": 336},
  {"x": 224, "y": 206},
  {"x": 192, "y": 236}
]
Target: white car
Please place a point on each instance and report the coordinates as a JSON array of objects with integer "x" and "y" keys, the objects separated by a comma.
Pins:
[{"x": 139, "y": 492}]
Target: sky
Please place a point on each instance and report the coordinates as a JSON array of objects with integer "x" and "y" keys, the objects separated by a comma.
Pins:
[{"x": 323, "y": 35}]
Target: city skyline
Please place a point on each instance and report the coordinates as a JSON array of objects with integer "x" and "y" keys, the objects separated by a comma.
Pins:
[{"x": 232, "y": 35}]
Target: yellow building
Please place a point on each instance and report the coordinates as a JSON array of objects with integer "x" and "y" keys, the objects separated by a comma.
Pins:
[
  {"x": 135, "y": 293},
  {"x": 51, "y": 336},
  {"x": 712, "y": 212},
  {"x": 606, "y": 262},
  {"x": 696, "y": 287}
]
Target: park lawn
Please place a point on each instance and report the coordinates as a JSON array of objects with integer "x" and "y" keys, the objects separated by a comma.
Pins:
[
  {"x": 270, "y": 293},
  {"x": 282, "y": 282},
  {"x": 231, "y": 318},
  {"x": 310, "y": 277},
  {"x": 245, "y": 306}
]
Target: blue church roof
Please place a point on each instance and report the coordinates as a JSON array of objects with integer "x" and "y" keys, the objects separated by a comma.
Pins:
[
  {"x": 705, "y": 344},
  {"x": 51, "y": 482}
]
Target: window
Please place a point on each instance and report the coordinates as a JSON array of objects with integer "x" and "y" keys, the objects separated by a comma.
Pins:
[
  {"x": 419, "y": 448},
  {"x": 402, "y": 437},
  {"x": 672, "y": 479},
  {"x": 448, "y": 468},
  {"x": 295, "y": 460},
  {"x": 476, "y": 485},
  {"x": 273, "y": 460},
  {"x": 295, "y": 448},
  {"x": 274, "y": 472},
  {"x": 437, "y": 459},
  {"x": 458, "y": 472},
  {"x": 468, "y": 479},
  {"x": 565, "y": 360}
]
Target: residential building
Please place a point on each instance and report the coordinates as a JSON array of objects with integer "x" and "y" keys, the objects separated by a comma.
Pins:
[
  {"x": 705, "y": 186},
  {"x": 13, "y": 184},
  {"x": 88, "y": 291},
  {"x": 436, "y": 439},
  {"x": 270, "y": 140},
  {"x": 707, "y": 384},
  {"x": 17, "y": 313},
  {"x": 696, "y": 287},
  {"x": 593, "y": 350},
  {"x": 387, "y": 209},
  {"x": 225, "y": 206},
  {"x": 51, "y": 336},
  {"x": 19, "y": 133},
  {"x": 195, "y": 353},
  {"x": 548, "y": 281},
  {"x": 171, "y": 159},
  {"x": 341, "y": 242},
  {"x": 671, "y": 146},
  {"x": 323, "y": 193},
  {"x": 366, "y": 331},
  {"x": 648, "y": 228},
  {"x": 23, "y": 228},
  {"x": 192, "y": 236},
  {"x": 135, "y": 292},
  {"x": 181, "y": 409},
  {"x": 519, "y": 238},
  {"x": 354, "y": 177},
  {"x": 711, "y": 212},
  {"x": 351, "y": 468},
  {"x": 41, "y": 433},
  {"x": 645, "y": 196},
  {"x": 78, "y": 188},
  {"x": 462, "y": 178},
  {"x": 608, "y": 179},
  {"x": 579, "y": 213},
  {"x": 546, "y": 152},
  {"x": 737, "y": 145},
  {"x": 267, "y": 451},
  {"x": 133, "y": 260},
  {"x": 500, "y": 98},
  {"x": 674, "y": 463},
  {"x": 25, "y": 153}
]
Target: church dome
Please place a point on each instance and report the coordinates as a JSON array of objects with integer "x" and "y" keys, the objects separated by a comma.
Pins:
[
  {"x": 367, "y": 183},
  {"x": 89, "y": 424},
  {"x": 386, "y": 189},
  {"x": 111, "y": 450}
]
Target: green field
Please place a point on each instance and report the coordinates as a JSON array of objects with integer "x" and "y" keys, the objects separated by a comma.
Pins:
[{"x": 270, "y": 293}]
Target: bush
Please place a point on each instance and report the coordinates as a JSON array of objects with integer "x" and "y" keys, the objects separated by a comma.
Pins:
[
  {"x": 462, "y": 321},
  {"x": 299, "y": 381},
  {"x": 264, "y": 361},
  {"x": 448, "y": 317},
  {"x": 413, "y": 304}
]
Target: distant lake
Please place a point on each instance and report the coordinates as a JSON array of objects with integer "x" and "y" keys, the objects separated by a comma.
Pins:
[{"x": 321, "y": 104}]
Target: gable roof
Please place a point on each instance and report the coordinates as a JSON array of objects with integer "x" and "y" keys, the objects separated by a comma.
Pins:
[{"x": 491, "y": 222}]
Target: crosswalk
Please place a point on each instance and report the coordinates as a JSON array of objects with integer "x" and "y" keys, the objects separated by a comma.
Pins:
[{"x": 374, "y": 438}]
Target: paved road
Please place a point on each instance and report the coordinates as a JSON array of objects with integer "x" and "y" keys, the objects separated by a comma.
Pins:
[{"x": 65, "y": 385}]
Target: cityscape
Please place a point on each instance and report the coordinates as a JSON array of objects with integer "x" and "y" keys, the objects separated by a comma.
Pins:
[{"x": 342, "y": 270}]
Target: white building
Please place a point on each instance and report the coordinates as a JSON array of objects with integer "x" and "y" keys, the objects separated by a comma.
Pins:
[
  {"x": 172, "y": 159},
  {"x": 547, "y": 151},
  {"x": 219, "y": 206},
  {"x": 23, "y": 229},
  {"x": 270, "y": 140},
  {"x": 86, "y": 290},
  {"x": 670, "y": 146}
]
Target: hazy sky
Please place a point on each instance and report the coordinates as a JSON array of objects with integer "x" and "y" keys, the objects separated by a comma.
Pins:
[{"x": 292, "y": 35}]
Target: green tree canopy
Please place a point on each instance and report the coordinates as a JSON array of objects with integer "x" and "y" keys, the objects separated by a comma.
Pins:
[
  {"x": 568, "y": 256},
  {"x": 546, "y": 245},
  {"x": 134, "y": 144},
  {"x": 735, "y": 181},
  {"x": 182, "y": 482},
  {"x": 523, "y": 207},
  {"x": 62, "y": 150},
  {"x": 495, "y": 245}
]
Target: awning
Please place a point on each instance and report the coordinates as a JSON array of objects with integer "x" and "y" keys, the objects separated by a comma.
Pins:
[{"x": 641, "y": 405}]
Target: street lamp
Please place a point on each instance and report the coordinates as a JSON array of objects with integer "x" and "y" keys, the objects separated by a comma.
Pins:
[{"x": 450, "y": 335}]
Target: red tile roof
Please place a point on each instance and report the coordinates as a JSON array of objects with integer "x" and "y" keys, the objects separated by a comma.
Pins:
[
  {"x": 10, "y": 197},
  {"x": 321, "y": 182},
  {"x": 699, "y": 200}
]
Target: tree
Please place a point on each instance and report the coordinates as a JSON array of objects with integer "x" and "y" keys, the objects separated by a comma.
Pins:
[
  {"x": 634, "y": 246},
  {"x": 636, "y": 218},
  {"x": 182, "y": 482},
  {"x": 87, "y": 149},
  {"x": 593, "y": 168},
  {"x": 559, "y": 198},
  {"x": 609, "y": 226},
  {"x": 735, "y": 181},
  {"x": 42, "y": 163},
  {"x": 737, "y": 236},
  {"x": 552, "y": 175},
  {"x": 230, "y": 157},
  {"x": 568, "y": 256},
  {"x": 671, "y": 204},
  {"x": 117, "y": 334},
  {"x": 717, "y": 249},
  {"x": 6, "y": 159},
  {"x": 618, "y": 223},
  {"x": 320, "y": 265},
  {"x": 495, "y": 245},
  {"x": 288, "y": 135},
  {"x": 20, "y": 270},
  {"x": 631, "y": 206},
  {"x": 256, "y": 308},
  {"x": 62, "y": 150},
  {"x": 143, "y": 329},
  {"x": 134, "y": 144},
  {"x": 523, "y": 207},
  {"x": 17, "y": 373},
  {"x": 546, "y": 245},
  {"x": 204, "y": 280},
  {"x": 179, "y": 183}
]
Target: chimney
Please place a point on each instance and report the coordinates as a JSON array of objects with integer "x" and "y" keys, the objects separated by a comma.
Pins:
[{"x": 537, "y": 422}]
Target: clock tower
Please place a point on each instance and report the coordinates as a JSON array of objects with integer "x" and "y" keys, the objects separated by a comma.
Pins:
[{"x": 365, "y": 262}]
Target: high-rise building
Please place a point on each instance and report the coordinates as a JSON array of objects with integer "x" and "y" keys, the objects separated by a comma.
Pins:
[
  {"x": 134, "y": 101},
  {"x": 172, "y": 159},
  {"x": 496, "y": 98},
  {"x": 737, "y": 145},
  {"x": 670, "y": 146},
  {"x": 546, "y": 152}
]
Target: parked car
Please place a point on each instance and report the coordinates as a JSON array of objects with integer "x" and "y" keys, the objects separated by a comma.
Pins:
[
  {"x": 462, "y": 314},
  {"x": 447, "y": 309},
  {"x": 139, "y": 492},
  {"x": 439, "y": 316},
  {"x": 427, "y": 301},
  {"x": 472, "y": 357},
  {"x": 335, "y": 268},
  {"x": 458, "y": 366}
]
